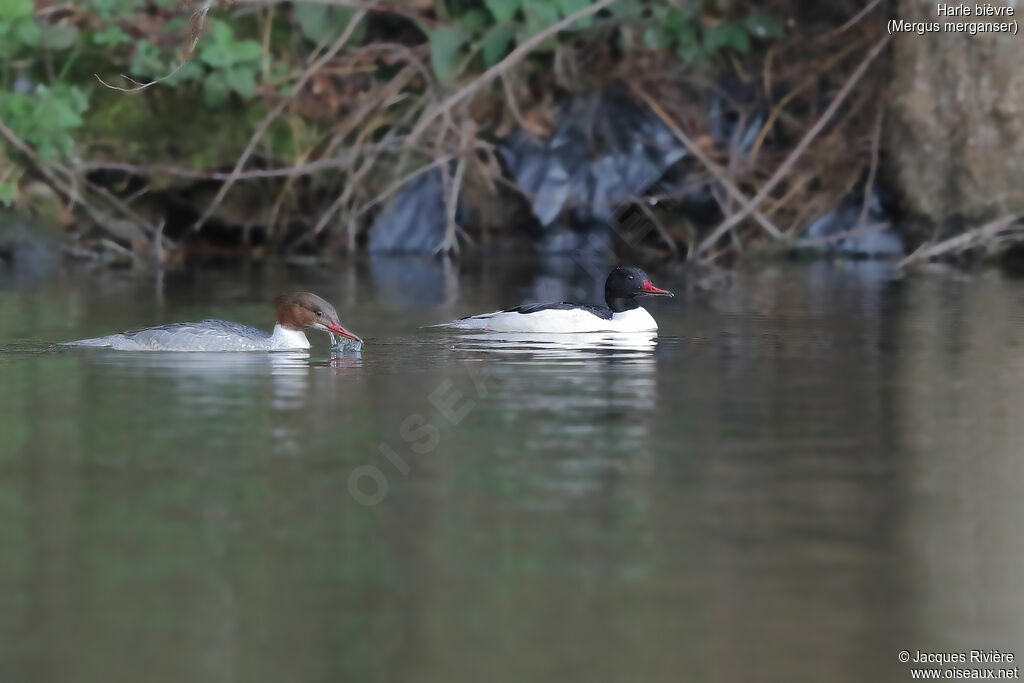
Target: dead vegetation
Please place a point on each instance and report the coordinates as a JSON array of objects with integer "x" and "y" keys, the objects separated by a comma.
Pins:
[{"x": 362, "y": 117}]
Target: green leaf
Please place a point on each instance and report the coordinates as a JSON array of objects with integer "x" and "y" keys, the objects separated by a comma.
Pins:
[
  {"x": 111, "y": 35},
  {"x": 7, "y": 193},
  {"x": 242, "y": 80},
  {"x": 318, "y": 22},
  {"x": 540, "y": 14},
  {"x": 148, "y": 61},
  {"x": 445, "y": 43},
  {"x": 567, "y": 7},
  {"x": 188, "y": 71},
  {"x": 28, "y": 32},
  {"x": 245, "y": 51},
  {"x": 687, "y": 46},
  {"x": 657, "y": 38},
  {"x": 495, "y": 44},
  {"x": 726, "y": 34},
  {"x": 312, "y": 20},
  {"x": 503, "y": 11},
  {"x": 474, "y": 20},
  {"x": 11, "y": 10},
  {"x": 222, "y": 33},
  {"x": 629, "y": 9},
  {"x": 63, "y": 116},
  {"x": 677, "y": 21},
  {"x": 215, "y": 91}
]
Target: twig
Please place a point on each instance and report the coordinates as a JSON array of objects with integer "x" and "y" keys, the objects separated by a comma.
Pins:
[
  {"x": 256, "y": 174},
  {"x": 964, "y": 241},
  {"x": 59, "y": 185},
  {"x": 869, "y": 185},
  {"x": 398, "y": 184},
  {"x": 790, "y": 160},
  {"x": 662, "y": 232},
  {"x": 450, "y": 243},
  {"x": 856, "y": 17},
  {"x": 839, "y": 236},
  {"x": 712, "y": 167},
  {"x": 380, "y": 7},
  {"x": 777, "y": 110},
  {"x": 274, "y": 113},
  {"x": 510, "y": 60},
  {"x": 140, "y": 86}
]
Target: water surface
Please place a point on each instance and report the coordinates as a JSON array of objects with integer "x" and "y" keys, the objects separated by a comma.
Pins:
[{"x": 809, "y": 470}]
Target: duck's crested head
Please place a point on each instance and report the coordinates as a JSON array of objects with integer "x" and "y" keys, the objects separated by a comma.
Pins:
[
  {"x": 627, "y": 282},
  {"x": 298, "y": 310}
]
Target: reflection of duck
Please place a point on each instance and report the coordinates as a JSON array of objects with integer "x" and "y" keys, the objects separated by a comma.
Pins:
[
  {"x": 562, "y": 345},
  {"x": 622, "y": 314},
  {"x": 294, "y": 312}
]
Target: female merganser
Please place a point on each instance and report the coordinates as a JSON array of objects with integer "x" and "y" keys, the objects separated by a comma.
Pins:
[
  {"x": 622, "y": 314},
  {"x": 294, "y": 312}
]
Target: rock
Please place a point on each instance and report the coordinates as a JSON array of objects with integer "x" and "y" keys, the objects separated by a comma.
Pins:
[
  {"x": 955, "y": 125},
  {"x": 25, "y": 252},
  {"x": 415, "y": 220},
  {"x": 880, "y": 242},
  {"x": 604, "y": 152}
]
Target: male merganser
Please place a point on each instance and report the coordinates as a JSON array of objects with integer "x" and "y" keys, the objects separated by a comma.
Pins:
[
  {"x": 622, "y": 314},
  {"x": 294, "y": 312}
]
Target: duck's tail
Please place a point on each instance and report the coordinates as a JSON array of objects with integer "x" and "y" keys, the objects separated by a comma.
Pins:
[
  {"x": 473, "y": 322},
  {"x": 94, "y": 342}
]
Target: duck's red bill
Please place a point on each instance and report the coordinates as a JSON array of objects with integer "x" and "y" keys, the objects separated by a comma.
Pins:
[
  {"x": 651, "y": 289},
  {"x": 338, "y": 329}
]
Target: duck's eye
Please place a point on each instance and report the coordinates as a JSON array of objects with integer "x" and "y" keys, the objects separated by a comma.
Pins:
[
  {"x": 319, "y": 314},
  {"x": 630, "y": 277}
]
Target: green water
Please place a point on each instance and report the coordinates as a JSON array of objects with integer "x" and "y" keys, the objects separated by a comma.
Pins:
[{"x": 813, "y": 469}]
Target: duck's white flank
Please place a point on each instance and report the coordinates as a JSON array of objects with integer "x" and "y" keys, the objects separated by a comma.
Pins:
[{"x": 559, "y": 321}]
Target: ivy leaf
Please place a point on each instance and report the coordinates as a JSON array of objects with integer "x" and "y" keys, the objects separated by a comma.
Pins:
[
  {"x": 503, "y": 11},
  {"x": 111, "y": 35},
  {"x": 222, "y": 33},
  {"x": 445, "y": 44},
  {"x": 12, "y": 10},
  {"x": 495, "y": 44},
  {"x": 148, "y": 60},
  {"x": 567, "y": 7},
  {"x": 28, "y": 32},
  {"x": 726, "y": 34},
  {"x": 245, "y": 51},
  {"x": 312, "y": 20},
  {"x": 242, "y": 80},
  {"x": 7, "y": 193},
  {"x": 688, "y": 47},
  {"x": 540, "y": 14},
  {"x": 677, "y": 21},
  {"x": 474, "y": 20},
  {"x": 657, "y": 38},
  {"x": 629, "y": 9},
  {"x": 317, "y": 22},
  {"x": 215, "y": 90}
]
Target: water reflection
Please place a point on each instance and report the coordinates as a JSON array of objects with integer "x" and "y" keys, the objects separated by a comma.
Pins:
[
  {"x": 780, "y": 487},
  {"x": 581, "y": 409},
  {"x": 581, "y": 346}
]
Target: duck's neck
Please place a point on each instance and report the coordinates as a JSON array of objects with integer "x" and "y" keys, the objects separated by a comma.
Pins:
[
  {"x": 285, "y": 338},
  {"x": 620, "y": 304}
]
